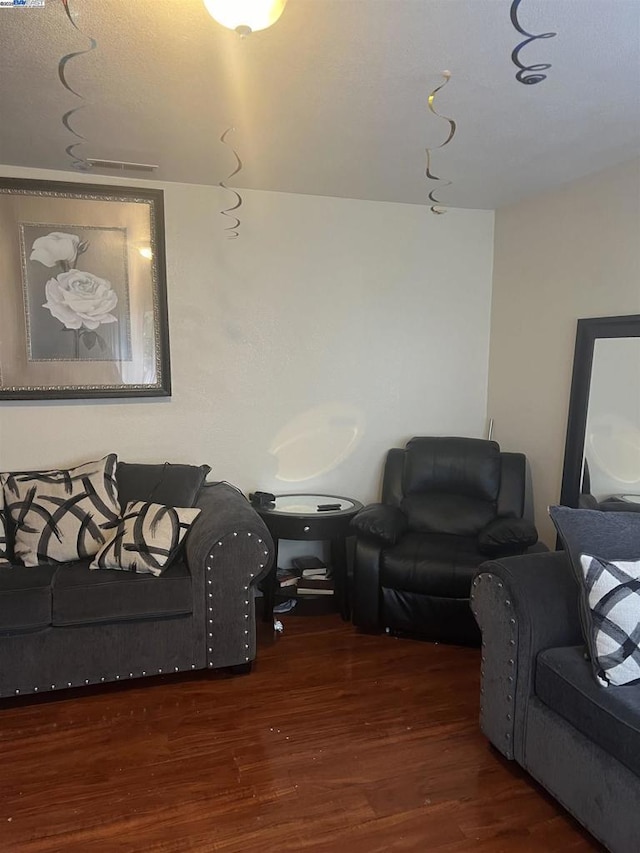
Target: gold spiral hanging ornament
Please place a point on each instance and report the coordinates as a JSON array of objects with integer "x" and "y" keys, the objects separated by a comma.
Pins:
[
  {"x": 436, "y": 204},
  {"x": 77, "y": 161},
  {"x": 232, "y": 229}
]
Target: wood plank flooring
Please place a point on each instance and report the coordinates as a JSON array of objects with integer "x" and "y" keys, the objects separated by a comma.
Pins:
[{"x": 336, "y": 741}]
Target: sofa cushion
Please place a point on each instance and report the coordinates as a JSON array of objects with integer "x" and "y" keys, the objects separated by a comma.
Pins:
[
  {"x": 611, "y": 536},
  {"x": 146, "y": 539},
  {"x": 434, "y": 564},
  {"x": 81, "y": 596},
  {"x": 613, "y": 596},
  {"x": 62, "y": 515},
  {"x": 168, "y": 484},
  {"x": 610, "y": 718},
  {"x": 4, "y": 541},
  {"x": 25, "y": 597}
]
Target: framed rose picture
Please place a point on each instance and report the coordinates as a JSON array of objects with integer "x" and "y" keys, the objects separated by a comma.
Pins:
[{"x": 83, "y": 291}]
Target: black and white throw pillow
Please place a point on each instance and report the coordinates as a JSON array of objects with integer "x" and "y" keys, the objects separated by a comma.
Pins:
[
  {"x": 613, "y": 596},
  {"x": 146, "y": 539},
  {"x": 4, "y": 542},
  {"x": 613, "y": 536},
  {"x": 62, "y": 515}
]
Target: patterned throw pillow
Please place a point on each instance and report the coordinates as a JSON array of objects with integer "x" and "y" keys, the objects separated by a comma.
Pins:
[
  {"x": 4, "y": 544},
  {"x": 62, "y": 515},
  {"x": 613, "y": 595},
  {"x": 146, "y": 539},
  {"x": 610, "y": 535}
]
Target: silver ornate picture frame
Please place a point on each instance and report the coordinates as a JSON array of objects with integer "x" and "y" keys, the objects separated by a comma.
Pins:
[{"x": 83, "y": 306}]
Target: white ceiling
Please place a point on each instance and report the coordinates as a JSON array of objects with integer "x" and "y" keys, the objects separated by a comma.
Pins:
[{"x": 332, "y": 100}]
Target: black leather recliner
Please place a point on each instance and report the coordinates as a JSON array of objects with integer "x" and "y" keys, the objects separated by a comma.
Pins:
[{"x": 448, "y": 504}]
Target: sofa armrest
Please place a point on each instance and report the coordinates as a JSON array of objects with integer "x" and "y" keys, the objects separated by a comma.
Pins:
[
  {"x": 225, "y": 511},
  {"x": 228, "y": 550},
  {"x": 523, "y": 605}
]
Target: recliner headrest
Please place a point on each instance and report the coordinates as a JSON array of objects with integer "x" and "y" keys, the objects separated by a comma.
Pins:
[{"x": 451, "y": 465}]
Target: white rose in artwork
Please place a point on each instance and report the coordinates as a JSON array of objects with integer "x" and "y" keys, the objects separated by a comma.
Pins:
[
  {"x": 55, "y": 248},
  {"x": 79, "y": 299}
]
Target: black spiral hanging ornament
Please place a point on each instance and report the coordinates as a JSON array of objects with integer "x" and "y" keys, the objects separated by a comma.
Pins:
[
  {"x": 232, "y": 229},
  {"x": 527, "y": 74},
  {"x": 77, "y": 161},
  {"x": 436, "y": 204}
]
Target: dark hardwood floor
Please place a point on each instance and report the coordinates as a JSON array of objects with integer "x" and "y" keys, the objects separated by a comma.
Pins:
[{"x": 336, "y": 742}]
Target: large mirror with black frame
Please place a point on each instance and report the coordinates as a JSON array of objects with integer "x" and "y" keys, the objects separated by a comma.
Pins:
[{"x": 602, "y": 450}]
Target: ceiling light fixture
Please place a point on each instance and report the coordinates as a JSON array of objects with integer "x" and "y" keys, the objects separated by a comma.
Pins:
[{"x": 245, "y": 16}]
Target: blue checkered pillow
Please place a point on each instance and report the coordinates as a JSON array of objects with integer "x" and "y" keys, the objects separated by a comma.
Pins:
[{"x": 613, "y": 595}]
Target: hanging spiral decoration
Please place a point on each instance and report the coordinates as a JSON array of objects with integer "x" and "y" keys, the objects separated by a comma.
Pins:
[
  {"x": 436, "y": 204},
  {"x": 77, "y": 161},
  {"x": 232, "y": 229},
  {"x": 527, "y": 74}
]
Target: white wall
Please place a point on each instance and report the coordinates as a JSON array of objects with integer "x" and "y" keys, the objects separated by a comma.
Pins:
[
  {"x": 560, "y": 256},
  {"x": 329, "y": 331}
]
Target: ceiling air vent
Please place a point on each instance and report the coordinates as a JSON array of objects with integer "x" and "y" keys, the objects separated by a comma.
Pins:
[{"x": 120, "y": 166}]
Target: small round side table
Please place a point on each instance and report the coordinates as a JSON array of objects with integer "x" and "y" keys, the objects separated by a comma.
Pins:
[{"x": 302, "y": 517}]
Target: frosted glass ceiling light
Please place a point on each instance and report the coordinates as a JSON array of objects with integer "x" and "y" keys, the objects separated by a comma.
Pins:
[{"x": 245, "y": 16}]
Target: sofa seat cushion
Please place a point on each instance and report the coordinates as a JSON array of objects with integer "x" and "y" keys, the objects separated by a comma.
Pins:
[
  {"x": 25, "y": 597},
  {"x": 81, "y": 595},
  {"x": 434, "y": 564},
  {"x": 609, "y": 716}
]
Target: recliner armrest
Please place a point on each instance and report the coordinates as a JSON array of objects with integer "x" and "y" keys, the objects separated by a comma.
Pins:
[
  {"x": 503, "y": 537},
  {"x": 380, "y": 522}
]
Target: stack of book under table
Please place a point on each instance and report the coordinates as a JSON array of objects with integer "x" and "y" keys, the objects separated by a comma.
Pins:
[{"x": 307, "y": 576}]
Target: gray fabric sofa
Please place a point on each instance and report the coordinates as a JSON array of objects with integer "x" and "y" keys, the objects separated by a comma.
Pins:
[
  {"x": 541, "y": 705},
  {"x": 65, "y": 626}
]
